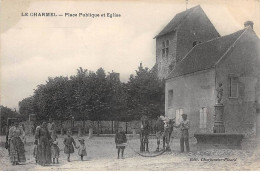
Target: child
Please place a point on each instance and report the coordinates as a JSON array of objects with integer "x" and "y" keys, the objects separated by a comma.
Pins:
[
  {"x": 35, "y": 149},
  {"x": 120, "y": 140},
  {"x": 69, "y": 142},
  {"x": 55, "y": 150},
  {"x": 82, "y": 149}
]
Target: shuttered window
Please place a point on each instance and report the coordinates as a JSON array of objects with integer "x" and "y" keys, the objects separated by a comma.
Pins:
[
  {"x": 203, "y": 118},
  {"x": 170, "y": 98},
  {"x": 233, "y": 87},
  {"x": 179, "y": 112}
]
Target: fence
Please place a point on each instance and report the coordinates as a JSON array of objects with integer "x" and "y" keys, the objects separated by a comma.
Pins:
[{"x": 98, "y": 127}]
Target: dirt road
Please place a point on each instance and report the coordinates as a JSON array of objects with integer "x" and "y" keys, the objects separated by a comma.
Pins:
[{"x": 102, "y": 155}]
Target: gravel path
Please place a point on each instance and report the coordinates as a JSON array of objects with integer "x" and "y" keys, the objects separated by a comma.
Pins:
[{"x": 102, "y": 155}]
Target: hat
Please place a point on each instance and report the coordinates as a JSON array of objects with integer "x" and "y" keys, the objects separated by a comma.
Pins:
[
  {"x": 36, "y": 142},
  {"x": 55, "y": 142},
  {"x": 81, "y": 140},
  {"x": 162, "y": 117}
]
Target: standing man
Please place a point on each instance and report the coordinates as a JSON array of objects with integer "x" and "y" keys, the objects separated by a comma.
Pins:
[
  {"x": 144, "y": 135},
  {"x": 184, "y": 125}
]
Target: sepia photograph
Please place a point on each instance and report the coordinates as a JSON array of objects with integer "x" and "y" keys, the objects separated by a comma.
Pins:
[{"x": 160, "y": 85}]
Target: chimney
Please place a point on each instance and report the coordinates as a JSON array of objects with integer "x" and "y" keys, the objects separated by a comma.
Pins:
[{"x": 249, "y": 23}]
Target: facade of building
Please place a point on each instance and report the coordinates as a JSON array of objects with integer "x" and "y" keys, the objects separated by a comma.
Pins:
[
  {"x": 231, "y": 60},
  {"x": 178, "y": 37}
]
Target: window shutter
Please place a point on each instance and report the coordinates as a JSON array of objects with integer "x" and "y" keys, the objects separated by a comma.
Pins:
[
  {"x": 180, "y": 117},
  {"x": 170, "y": 98},
  {"x": 177, "y": 116},
  {"x": 233, "y": 86},
  {"x": 205, "y": 115},
  {"x": 201, "y": 118}
]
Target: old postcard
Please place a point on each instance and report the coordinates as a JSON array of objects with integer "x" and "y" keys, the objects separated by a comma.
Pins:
[{"x": 169, "y": 85}]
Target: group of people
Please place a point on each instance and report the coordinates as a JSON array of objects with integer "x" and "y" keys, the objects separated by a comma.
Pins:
[
  {"x": 15, "y": 143},
  {"x": 164, "y": 127},
  {"x": 47, "y": 151}
]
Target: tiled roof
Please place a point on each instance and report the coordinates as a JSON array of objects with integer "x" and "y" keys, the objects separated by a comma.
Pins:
[
  {"x": 205, "y": 55},
  {"x": 177, "y": 20}
]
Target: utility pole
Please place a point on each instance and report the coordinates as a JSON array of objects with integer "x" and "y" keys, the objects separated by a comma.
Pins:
[{"x": 187, "y": 4}]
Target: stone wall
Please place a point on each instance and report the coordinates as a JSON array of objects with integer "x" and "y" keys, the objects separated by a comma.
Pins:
[
  {"x": 163, "y": 63},
  {"x": 191, "y": 93},
  {"x": 242, "y": 62}
]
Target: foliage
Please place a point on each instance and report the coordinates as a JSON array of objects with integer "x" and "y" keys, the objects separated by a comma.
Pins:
[
  {"x": 96, "y": 96},
  {"x": 5, "y": 113},
  {"x": 145, "y": 94}
]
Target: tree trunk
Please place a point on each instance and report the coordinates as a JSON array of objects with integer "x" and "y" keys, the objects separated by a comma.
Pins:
[
  {"x": 90, "y": 131},
  {"x": 61, "y": 129},
  {"x": 79, "y": 132},
  {"x": 112, "y": 127},
  {"x": 116, "y": 125},
  {"x": 126, "y": 127},
  {"x": 84, "y": 124},
  {"x": 97, "y": 128}
]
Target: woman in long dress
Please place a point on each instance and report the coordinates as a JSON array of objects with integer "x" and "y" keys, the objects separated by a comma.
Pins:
[
  {"x": 23, "y": 136},
  {"x": 43, "y": 148},
  {"x": 17, "y": 151}
]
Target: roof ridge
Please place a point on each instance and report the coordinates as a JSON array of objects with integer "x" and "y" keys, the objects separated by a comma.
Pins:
[
  {"x": 220, "y": 37},
  {"x": 205, "y": 43},
  {"x": 186, "y": 13},
  {"x": 211, "y": 40},
  {"x": 232, "y": 45}
]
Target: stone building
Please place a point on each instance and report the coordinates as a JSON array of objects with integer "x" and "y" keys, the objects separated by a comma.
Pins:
[
  {"x": 178, "y": 37},
  {"x": 232, "y": 60}
]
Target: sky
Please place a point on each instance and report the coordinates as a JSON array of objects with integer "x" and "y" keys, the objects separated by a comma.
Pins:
[{"x": 35, "y": 48}]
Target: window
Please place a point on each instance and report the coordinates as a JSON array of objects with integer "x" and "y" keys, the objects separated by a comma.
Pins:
[
  {"x": 233, "y": 86},
  {"x": 166, "y": 52},
  {"x": 170, "y": 98},
  {"x": 178, "y": 117},
  {"x": 203, "y": 118},
  {"x": 165, "y": 48},
  {"x": 163, "y": 52}
]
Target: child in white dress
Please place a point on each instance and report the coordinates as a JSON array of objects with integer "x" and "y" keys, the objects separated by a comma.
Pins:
[{"x": 82, "y": 149}]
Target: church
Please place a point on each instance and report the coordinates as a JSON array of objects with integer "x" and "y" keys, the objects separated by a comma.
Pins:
[{"x": 194, "y": 59}]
